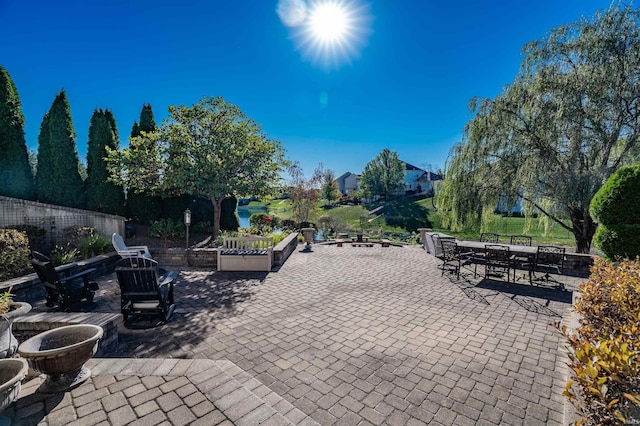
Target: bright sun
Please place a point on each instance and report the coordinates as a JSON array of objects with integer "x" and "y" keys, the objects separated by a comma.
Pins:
[
  {"x": 329, "y": 22},
  {"x": 328, "y": 32}
]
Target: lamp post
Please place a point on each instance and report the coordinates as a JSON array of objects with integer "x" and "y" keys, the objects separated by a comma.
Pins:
[{"x": 187, "y": 222}]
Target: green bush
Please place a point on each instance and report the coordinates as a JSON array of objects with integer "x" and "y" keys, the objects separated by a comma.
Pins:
[
  {"x": 72, "y": 235},
  {"x": 14, "y": 254},
  {"x": 167, "y": 228},
  {"x": 617, "y": 201},
  {"x": 616, "y": 208},
  {"x": 605, "y": 349},
  {"x": 203, "y": 228},
  {"x": 93, "y": 245},
  {"x": 264, "y": 223},
  {"x": 618, "y": 240},
  {"x": 62, "y": 256}
]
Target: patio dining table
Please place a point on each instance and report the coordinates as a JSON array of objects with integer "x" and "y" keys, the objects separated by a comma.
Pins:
[
  {"x": 479, "y": 246},
  {"x": 521, "y": 253}
]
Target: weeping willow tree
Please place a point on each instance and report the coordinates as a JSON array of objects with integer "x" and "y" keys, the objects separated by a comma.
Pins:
[{"x": 551, "y": 138}]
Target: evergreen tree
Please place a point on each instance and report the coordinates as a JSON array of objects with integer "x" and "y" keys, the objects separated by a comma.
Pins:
[
  {"x": 147, "y": 122},
  {"x": 57, "y": 179},
  {"x": 16, "y": 178},
  {"x": 102, "y": 195},
  {"x": 141, "y": 207}
]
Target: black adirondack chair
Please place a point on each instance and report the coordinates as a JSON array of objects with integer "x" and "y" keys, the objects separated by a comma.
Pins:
[
  {"x": 144, "y": 290},
  {"x": 63, "y": 291}
]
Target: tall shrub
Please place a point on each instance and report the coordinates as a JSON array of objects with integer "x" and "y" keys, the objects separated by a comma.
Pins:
[
  {"x": 57, "y": 179},
  {"x": 102, "y": 195},
  {"x": 16, "y": 178},
  {"x": 616, "y": 207}
]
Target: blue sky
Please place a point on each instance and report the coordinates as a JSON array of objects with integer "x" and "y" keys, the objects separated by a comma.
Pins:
[{"x": 405, "y": 85}]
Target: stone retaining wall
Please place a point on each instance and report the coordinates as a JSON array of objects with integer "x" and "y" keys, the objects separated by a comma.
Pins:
[
  {"x": 28, "y": 288},
  {"x": 578, "y": 265},
  {"x": 29, "y": 325}
]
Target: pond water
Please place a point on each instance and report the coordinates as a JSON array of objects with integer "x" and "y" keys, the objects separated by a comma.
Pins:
[{"x": 244, "y": 215}]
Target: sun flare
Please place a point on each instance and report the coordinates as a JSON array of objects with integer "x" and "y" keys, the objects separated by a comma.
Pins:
[{"x": 329, "y": 22}]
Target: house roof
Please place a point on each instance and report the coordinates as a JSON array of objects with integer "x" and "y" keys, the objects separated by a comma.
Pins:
[
  {"x": 431, "y": 176},
  {"x": 412, "y": 167},
  {"x": 344, "y": 175}
]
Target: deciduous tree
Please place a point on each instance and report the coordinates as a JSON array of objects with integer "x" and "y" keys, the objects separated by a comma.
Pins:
[
  {"x": 570, "y": 118},
  {"x": 303, "y": 194},
  {"x": 16, "y": 178},
  {"x": 211, "y": 150},
  {"x": 383, "y": 175},
  {"x": 328, "y": 185}
]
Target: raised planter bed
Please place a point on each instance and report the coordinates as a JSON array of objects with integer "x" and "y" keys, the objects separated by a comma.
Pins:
[{"x": 207, "y": 257}]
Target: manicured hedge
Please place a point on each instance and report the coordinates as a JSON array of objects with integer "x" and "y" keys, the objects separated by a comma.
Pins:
[
  {"x": 617, "y": 202},
  {"x": 616, "y": 208}
]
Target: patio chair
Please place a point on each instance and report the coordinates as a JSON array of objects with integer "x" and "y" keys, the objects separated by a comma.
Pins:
[
  {"x": 143, "y": 290},
  {"x": 67, "y": 290},
  {"x": 520, "y": 261},
  {"x": 489, "y": 237},
  {"x": 520, "y": 240},
  {"x": 549, "y": 259},
  {"x": 128, "y": 251},
  {"x": 453, "y": 259},
  {"x": 498, "y": 261}
]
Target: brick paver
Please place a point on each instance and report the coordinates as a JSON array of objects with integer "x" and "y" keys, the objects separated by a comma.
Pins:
[{"x": 352, "y": 336}]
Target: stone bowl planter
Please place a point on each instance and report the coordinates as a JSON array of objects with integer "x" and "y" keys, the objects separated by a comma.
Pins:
[
  {"x": 61, "y": 354},
  {"x": 12, "y": 371},
  {"x": 8, "y": 342},
  {"x": 308, "y": 234}
]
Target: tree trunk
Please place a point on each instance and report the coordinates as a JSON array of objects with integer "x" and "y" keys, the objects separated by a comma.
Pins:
[
  {"x": 583, "y": 230},
  {"x": 217, "y": 213}
]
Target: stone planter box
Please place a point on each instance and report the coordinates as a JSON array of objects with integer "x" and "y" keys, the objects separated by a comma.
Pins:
[{"x": 208, "y": 257}]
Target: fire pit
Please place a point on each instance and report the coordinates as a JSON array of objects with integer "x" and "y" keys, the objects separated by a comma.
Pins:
[
  {"x": 12, "y": 371},
  {"x": 61, "y": 354}
]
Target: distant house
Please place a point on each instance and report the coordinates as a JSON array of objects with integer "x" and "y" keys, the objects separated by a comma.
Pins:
[
  {"x": 415, "y": 180},
  {"x": 348, "y": 182},
  {"x": 418, "y": 180}
]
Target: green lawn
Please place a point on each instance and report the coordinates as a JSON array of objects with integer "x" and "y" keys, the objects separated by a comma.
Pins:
[{"x": 405, "y": 214}]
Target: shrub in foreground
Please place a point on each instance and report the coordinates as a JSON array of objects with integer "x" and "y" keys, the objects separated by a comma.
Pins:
[
  {"x": 14, "y": 254},
  {"x": 605, "y": 349},
  {"x": 616, "y": 207}
]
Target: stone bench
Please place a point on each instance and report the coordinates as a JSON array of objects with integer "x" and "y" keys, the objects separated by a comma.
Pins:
[
  {"x": 246, "y": 254},
  {"x": 385, "y": 242}
]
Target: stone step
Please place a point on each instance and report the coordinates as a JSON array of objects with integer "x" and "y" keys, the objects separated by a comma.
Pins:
[
  {"x": 281, "y": 405},
  {"x": 241, "y": 398}
]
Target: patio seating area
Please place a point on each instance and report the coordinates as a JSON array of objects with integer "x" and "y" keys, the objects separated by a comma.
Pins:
[{"x": 360, "y": 336}]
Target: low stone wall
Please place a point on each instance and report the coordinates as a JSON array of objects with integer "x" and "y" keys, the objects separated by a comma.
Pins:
[
  {"x": 28, "y": 288},
  {"x": 284, "y": 248},
  {"x": 578, "y": 265},
  {"x": 29, "y": 325}
]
